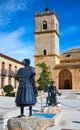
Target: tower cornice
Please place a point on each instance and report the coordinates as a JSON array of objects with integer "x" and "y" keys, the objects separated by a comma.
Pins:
[
  {"x": 52, "y": 55},
  {"x": 50, "y": 31},
  {"x": 46, "y": 14}
]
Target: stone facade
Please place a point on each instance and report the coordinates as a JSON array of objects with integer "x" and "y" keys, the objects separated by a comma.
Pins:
[
  {"x": 8, "y": 69},
  {"x": 65, "y": 67}
]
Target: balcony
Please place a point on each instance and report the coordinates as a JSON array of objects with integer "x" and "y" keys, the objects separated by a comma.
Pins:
[
  {"x": 3, "y": 72},
  {"x": 6, "y": 72},
  {"x": 12, "y": 73}
]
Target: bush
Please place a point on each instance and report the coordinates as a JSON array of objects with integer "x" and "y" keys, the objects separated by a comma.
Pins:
[
  {"x": 8, "y": 88},
  {"x": 12, "y": 94}
]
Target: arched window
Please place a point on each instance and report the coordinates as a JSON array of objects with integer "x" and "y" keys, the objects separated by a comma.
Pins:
[
  {"x": 44, "y": 52},
  {"x": 44, "y": 24}
]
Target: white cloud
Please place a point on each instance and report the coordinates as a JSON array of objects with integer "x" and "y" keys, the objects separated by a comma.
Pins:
[
  {"x": 14, "y": 5},
  {"x": 9, "y": 7},
  {"x": 11, "y": 45},
  {"x": 69, "y": 30}
]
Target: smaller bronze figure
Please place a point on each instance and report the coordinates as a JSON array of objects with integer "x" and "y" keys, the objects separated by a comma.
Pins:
[
  {"x": 27, "y": 91},
  {"x": 52, "y": 95}
]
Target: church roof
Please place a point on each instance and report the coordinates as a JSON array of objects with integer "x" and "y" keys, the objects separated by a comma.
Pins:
[{"x": 71, "y": 54}]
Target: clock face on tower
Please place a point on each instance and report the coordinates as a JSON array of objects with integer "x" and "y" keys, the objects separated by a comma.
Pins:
[{"x": 44, "y": 24}]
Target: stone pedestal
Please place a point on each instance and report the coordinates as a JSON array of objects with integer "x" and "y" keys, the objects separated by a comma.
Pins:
[
  {"x": 29, "y": 123},
  {"x": 35, "y": 122},
  {"x": 51, "y": 109}
]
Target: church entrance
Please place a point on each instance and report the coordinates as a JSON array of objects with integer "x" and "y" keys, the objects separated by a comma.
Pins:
[{"x": 65, "y": 79}]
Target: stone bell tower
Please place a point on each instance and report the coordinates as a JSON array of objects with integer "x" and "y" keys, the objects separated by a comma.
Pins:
[{"x": 46, "y": 39}]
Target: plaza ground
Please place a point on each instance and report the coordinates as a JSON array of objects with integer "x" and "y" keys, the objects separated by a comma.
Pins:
[
  {"x": 70, "y": 115},
  {"x": 69, "y": 103}
]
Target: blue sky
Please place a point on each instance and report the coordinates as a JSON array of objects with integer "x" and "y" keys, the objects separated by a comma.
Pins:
[{"x": 17, "y": 25}]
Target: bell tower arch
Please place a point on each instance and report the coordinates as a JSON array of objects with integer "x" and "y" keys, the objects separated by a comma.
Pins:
[{"x": 46, "y": 39}]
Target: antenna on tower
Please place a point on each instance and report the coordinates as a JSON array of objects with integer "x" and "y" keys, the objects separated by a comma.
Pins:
[{"x": 46, "y": 8}]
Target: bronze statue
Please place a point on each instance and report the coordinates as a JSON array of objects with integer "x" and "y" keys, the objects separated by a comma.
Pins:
[
  {"x": 27, "y": 91},
  {"x": 52, "y": 95}
]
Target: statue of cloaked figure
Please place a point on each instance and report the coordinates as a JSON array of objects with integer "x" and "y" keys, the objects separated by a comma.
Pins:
[
  {"x": 27, "y": 91},
  {"x": 52, "y": 95}
]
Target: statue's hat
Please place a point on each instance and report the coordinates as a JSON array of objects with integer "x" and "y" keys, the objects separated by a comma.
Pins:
[{"x": 26, "y": 61}]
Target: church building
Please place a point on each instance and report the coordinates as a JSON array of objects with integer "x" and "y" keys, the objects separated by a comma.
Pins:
[{"x": 65, "y": 67}]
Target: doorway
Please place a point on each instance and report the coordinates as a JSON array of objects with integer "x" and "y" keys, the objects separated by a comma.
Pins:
[{"x": 65, "y": 79}]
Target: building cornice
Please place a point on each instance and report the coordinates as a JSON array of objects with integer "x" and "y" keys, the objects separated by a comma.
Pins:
[
  {"x": 70, "y": 60},
  {"x": 68, "y": 66},
  {"x": 9, "y": 58}
]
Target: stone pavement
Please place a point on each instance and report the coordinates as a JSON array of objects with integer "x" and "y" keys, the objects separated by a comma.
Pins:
[{"x": 70, "y": 115}]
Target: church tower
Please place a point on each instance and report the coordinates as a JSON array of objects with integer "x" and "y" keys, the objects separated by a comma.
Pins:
[{"x": 46, "y": 39}]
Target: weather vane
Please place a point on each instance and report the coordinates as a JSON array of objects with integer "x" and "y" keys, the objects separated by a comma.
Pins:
[{"x": 46, "y": 9}]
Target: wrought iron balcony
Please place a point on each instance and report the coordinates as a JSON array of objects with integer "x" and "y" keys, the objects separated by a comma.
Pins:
[
  {"x": 4, "y": 72},
  {"x": 12, "y": 73}
]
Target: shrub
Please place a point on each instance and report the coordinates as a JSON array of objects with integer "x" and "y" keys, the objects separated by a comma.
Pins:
[
  {"x": 8, "y": 88},
  {"x": 12, "y": 94}
]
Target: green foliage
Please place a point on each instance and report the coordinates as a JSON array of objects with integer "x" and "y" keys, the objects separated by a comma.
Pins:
[
  {"x": 8, "y": 90},
  {"x": 12, "y": 94},
  {"x": 44, "y": 79}
]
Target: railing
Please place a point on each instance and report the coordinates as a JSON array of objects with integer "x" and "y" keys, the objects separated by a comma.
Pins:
[{"x": 6, "y": 72}]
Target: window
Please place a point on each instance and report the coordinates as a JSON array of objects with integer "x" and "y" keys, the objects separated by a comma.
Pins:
[
  {"x": 3, "y": 65},
  {"x": 44, "y": 52},
  {"x": 15, "y": 81},
  {"x": 44, "y": 24},
  {"x": 3, "y": 75},
  {"x": 68, "y": 55},
  {"x": 3, "y": 69},
  {"x": 10, "y": 76}
]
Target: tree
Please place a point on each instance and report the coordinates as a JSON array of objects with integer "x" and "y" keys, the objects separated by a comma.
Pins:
[{"x": 44, "y": 79}]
